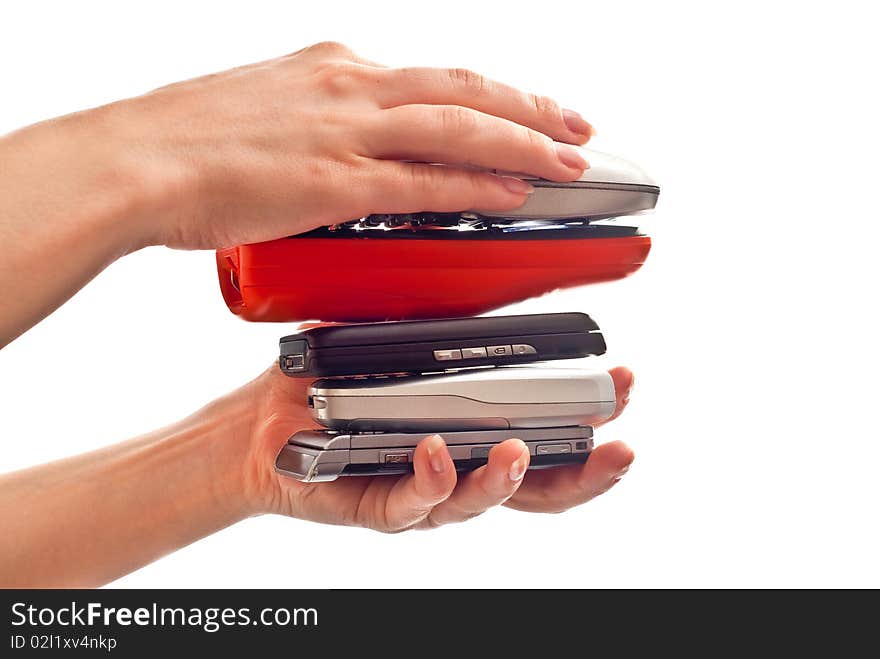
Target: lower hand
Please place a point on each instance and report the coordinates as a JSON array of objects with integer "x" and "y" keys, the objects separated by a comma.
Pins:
[{"x": 434, "y": 494}]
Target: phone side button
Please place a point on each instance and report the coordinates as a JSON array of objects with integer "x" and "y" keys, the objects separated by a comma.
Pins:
[
  {"x": 524, "y": 349},
  {"x": 447, "y": 355},
  {"x": 473, "y": 353},
  {"x": 552, "y": 449},
  {"x": 293, "y": 362}
]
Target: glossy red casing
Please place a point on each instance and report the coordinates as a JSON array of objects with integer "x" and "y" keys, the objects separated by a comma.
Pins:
[{"x": 375, "y": 279}]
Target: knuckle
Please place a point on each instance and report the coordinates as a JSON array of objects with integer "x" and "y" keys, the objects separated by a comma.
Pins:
[
  {"x": 409, "y": 74},
  {"x": 467, "y": 79},
  {"x": 441, "y": 188},
  {"x": 432, "y": 523},
  {"x": 395, "y": 530},
  {"x": 457, "y": 120},
  {"x": 469, "y": 187},
  {"x": 470, "y": 506},
  {"x": 554, "y": 504},
  {"x": 468, "y": 515},
  {"x": 479, "y": 186},
  {"x": 537, "y": 141},
  {"x": 545, "y": 106},
  {"x": 495, "y": 494},
  {"x": 338, "y": 78},
  {"x": 330, "y": 48},
  {"x": 425, "y": 177}
]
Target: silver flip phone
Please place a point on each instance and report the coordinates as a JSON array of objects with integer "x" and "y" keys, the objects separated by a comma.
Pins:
[
  {"x": 324, "y": 455},
  {"x": 480, "y": 399}
]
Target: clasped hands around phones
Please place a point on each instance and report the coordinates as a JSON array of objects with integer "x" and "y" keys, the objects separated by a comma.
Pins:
[{"x": 252, "y": 154}]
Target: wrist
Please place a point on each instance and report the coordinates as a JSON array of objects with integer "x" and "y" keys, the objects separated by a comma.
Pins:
[
  {"x": 218, "y": 441},
  {"x": 148, "y": 187},
  {"x": 97, "y": 190},
  {"x": 277, "y": 408}
]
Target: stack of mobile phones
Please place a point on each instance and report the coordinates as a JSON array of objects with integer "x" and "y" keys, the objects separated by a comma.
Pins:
[{"x": 384, "y": 386}]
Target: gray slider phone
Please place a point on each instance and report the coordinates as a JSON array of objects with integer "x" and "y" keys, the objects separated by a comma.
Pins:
[
  {"x": 481, "y": 399},
  {"x": 611, "y": 187},
  {"x": 324, "y": 455}
]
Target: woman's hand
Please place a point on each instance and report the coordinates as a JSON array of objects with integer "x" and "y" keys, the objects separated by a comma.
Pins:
[
  {"x": 323, "y": 136},
  {"x": 434, "y": 495},
  {"x": 260, "y": 152},
  {"x": 153, "y": 494}
]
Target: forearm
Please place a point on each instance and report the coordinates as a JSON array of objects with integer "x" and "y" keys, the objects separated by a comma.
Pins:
[
  {"x": 87, "y": 520},
  {"x": 72, "y": 200}
]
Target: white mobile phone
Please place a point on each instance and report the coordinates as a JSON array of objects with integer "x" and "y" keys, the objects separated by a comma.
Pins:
[{"x": 481, "y": 399}]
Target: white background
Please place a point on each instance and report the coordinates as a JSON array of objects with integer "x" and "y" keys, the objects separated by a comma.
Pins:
[{"x": 752, "y": 328}]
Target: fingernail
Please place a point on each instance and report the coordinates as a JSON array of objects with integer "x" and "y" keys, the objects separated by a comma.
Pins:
[
  {"x": 577, "y": 124},
  {"x": 569, "y": 156},
  {"x": 435, "y": 447},
  {"x": 516, "y": 185},
  {"x": 518, "y": 468}
]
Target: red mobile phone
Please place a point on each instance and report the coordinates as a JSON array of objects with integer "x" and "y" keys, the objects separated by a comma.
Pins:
[{"x": 406, "y": 274}]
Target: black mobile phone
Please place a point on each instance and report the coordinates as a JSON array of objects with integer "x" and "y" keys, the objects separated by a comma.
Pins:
[{"x": 420, "y": 346}]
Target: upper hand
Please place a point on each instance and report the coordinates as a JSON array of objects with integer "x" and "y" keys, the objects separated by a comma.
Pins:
[
  {"x": 322, "y": 136},
  {"x": 434, "y": 494}
]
